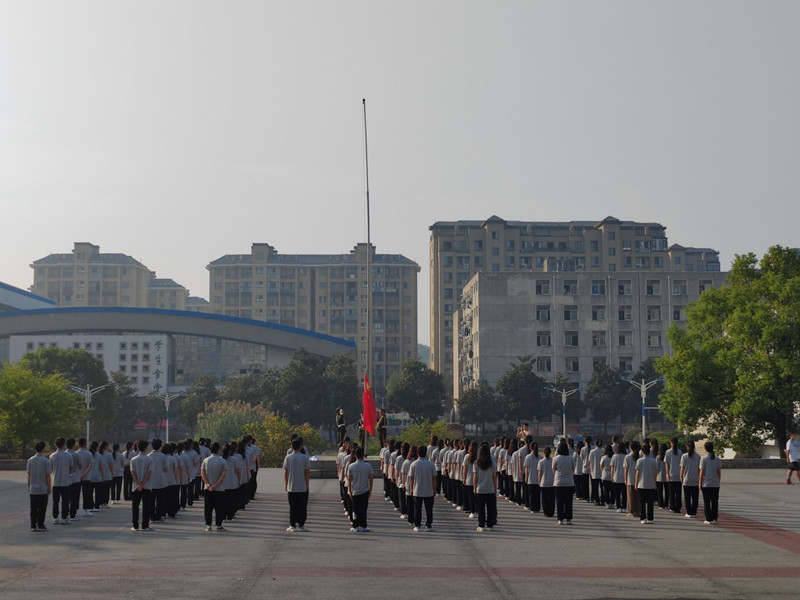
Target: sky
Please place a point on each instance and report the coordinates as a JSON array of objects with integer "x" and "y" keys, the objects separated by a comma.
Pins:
[{"x": 178, "y": 132}]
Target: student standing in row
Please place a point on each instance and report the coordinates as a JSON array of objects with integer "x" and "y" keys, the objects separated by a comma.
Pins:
[
  {"x": 564, "y": 484},
  {"x": 646, "y": 471},
  {"x": 546, "y": 478},
  {"x": 213, "y": 470},
  {"x": 422, "y": 480},
  {"x": 359, "y": 479},
  {"x": 690, "y": 478},
  {"x": 86, "y": 464},
  {"x": 127, "y": 480},
  {"x": 296, "y": 477},
  {"x": 75, "y": 480},
  {"x": 141, "y": 487},
  {"x": 61, "y": 463},
  {"x": 792, "y": 458},
  {"x": 117, "y": 473},
  {"x": 606, "y": 483},
  {"x": 630, "y": 479},
  {"x": 710, "y": 476},
  {"x": 618, "y": 478},
  {"x": 530, "y": 468},
  {"x": 39, "y": 485},
  {"x": 672, "y": 461},
  {"x": 662, "y": 485},
  {"x": 484, "y": 479}
]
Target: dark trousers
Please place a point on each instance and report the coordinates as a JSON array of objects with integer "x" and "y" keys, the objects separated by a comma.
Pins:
[
  {"x": 534, "y": 499},
  {"x": 385, "y": 486},
  {"x": 564, "y": 494},
  {"x": 97, "y": 491},
  {"x": 411, "y": 505},
  {"x": 382, "y": 436},
  {"x": 253, "y": 482},
  {"x": 548, "y": 501},
  {"x": 501, "y": 483},
  {"x": 675, "y": 496},
  {"x": 402, "y": 497},
  {"x": 159, "y": 504},
  {"x": 662, "y": 493},
  {"x": 710, "y": 503},
  {"x": 298, "y": 508},
  {"x": 469, "y": 498},
  {"x": 439, "y": 482},
  {"x": 62, "y": 494},
  {"x": 340, "y": 435},
  {"x": 487, "y": 509},
  {"x": 197, "y": 488},
  {"x": 519, "y": 492},
  {"x": 360, "y": 504},
  {"x": 647, "y": 497},
  {"x": 88, "y": 499},
  {"x": 608, "y": 492},
  {"x": 231, "y": 501},
  {"x": 510, "y": 487},
  {"x": 692, "y": 493},
  {"x": 457, "y": 492},
  {"x": 214, "y": 502},
  {"x": 184, "y": 495},
  {"x": 74, "y": 499},
  {"x": 597, "y": 497},
  {"x": 145, "y": 498},
  {"x": 127, "y": 484},
  {"x": 428, "y": 502},
  {"x": 173, "y": 500},
  {"x": 116, "y": 487},
  {"x": 38, "y": 510},
  {"x": 620, "y": 495}
]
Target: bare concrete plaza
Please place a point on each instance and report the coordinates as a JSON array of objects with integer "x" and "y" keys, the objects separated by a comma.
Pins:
[{"x": 752, "y": 553}]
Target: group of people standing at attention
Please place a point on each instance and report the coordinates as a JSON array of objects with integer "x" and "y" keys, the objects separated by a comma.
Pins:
[
  {"x": 630, "y": 478},
  {"x": 160, "y": 480}
]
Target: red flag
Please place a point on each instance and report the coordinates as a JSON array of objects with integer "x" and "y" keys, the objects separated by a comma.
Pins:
[{"x": 368, "y": 402}]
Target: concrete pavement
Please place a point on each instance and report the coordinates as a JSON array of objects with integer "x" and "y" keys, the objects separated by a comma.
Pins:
[{"x": 752, "y": 553}]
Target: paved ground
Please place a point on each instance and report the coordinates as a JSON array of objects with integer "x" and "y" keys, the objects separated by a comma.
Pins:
[{"x": 752, "y": 553}]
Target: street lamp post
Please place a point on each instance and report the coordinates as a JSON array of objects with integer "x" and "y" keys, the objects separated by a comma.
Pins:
[
  {"x": 88, "y": 392},
  {"x": 643, "y": 387},
  {"x": 564, "y": 393},
  {"x": 167, "y": 398}
]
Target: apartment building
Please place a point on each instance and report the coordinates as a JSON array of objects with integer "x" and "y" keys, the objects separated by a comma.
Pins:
[
  {"x": 326, "y": 293},
  {"x": 88, "y": 277},
  {"x": 460, "y": 249},
  {"x": 569, "y": 321}
]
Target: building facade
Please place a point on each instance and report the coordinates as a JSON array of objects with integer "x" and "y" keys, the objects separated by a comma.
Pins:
[
  {"x": 87, "y": 277},
  {"x": 326, "y": 294},
  {"x": 460, "y": 249}
]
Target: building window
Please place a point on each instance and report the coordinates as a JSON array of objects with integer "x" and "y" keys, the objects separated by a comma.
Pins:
[
  {"x": 571, "y": 287},
  {"x": 653, "y": 287},
  {"x": 598, "y": 338},
  {"x": 539, "y": 262},
  {"x": 612, "y": 235},
  {"x": 654, "y": 339},
  {"x": 705, "y": 284},
  {"x": 543, "y": 338},
  {"x": 495, "y": 235},
  {"x": 598, "y": 312},
  {"x": 642, "y": 262},
  {"x": 570, "y": 338},
  {"x": 653, "y": 313},
  {"x": 679, "y": 288},
  {"x": 495, "y": 266},
  {"x": 624, "y": 340},
  {"x": 612, "y": 251},
  {"x": 627, "y": 262},
  {"x": 542, "y": 287},
  {"x": 495, "y": 251},
  {"x": 598, "y": 287},
  {"x": 478, "y": 261},
  {"x": 509, "y": 261},
  {"x": 594, "y": 261},
  {"x": 570, "y": 313},
  {"x": 543, "y": 364},
  {"x": 678, "y": 313},
  {"x": 626, "y": 364},
  {"x": 593, "y": 246},
  {"x": 624, "y": 313},
  {"x": 677, "y": 260},
  {"x": 572, "y": 364},
  {"x": 542, "y": 313},
  {"x": 478, "y": 245}
]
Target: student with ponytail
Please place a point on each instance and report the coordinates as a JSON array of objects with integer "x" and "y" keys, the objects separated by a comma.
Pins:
[
  {"x": 709, "y": 484},
  {"x": 690, "y": 478}
]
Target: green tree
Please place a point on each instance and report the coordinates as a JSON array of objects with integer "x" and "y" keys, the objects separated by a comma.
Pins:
[
  {"x": 253, "y": 389},
  {"x": 151, "y": 410},
  {"x": 341, "y": 388},
  {"x": 522, "y": 392},
  {"x": 35, "y": 406},
  {"x": 200, "y": 394},
  {"x": 478, "y": 404},
  {"x": 300, "y": 392},
  {"x": 608, "y": 395},
  {"x": 124, "y": 409},
  {"x": 735, "y": 367},
  {"x": 419, "y": 434},
  {"x": 420, "y": 392},
  {"x": 223, "y": 421},
  {"x": 273, "y": 436}
]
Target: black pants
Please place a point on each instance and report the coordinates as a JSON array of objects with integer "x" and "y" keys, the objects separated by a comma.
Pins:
[
  {"x": 597, "y": 497},
  {"x": 61, "y": 493},
  {"x": 159, "y": 504},
  {"x": 145, "y": 498},
  {"x": 519, "y": 492},
  {"x": 534, "y": 499},
  {"x": 438, "y": 482},
  {"x": 402, "y": 497},
  {"x": 382, "y": 436},
  {"x": 469, "y": 498},
  {"x": 710, "y": 503},
  {"x": 74, "y": 499},
  {"x": 548, "y": 501},
  {"x": 457, "y": 492},
  {"x": 184, "y": 494},
  {"x": 607, "y": 488},
  {"x": 564, "y": 494},
  {"x": 510, "y": 487},
  {"x": 647, "y": 497},
  {"x": 340, "y": 435},
  {"x": 88, "y": 499},
  {"x": 127, "y": 484},
  {"x": 428, "y": 502},
  {"x": 253, "y": 483},
  {"x": 620, "y": 495},
  {"x": 298, "y": 508},
  {"x": 214, "y": 502},
  {"x": 97, "y": 491},
  {"x": 116, "y": 487},
  {"x": 691, "y": 493},
  {"x": 38, "y": 510},
  {"x": 501, "y": 483},
  {"x": 173, "y": 500},
  {"x": 662, "y": 493},
  {"x": 675, "y": 496},
  {"x": 487, "y": 509},
  {"x": 411, "y": 506},
  {"x": 360, "y": 505},
  {"x": 198, "y": 487},
  {"x": 231, "y": 502}
]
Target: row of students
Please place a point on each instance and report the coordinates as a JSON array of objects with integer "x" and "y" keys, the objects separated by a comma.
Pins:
[{"x": 410, "y": 481}]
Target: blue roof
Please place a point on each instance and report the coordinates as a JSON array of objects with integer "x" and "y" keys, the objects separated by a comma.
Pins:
[{"x": 25, "y": 293}]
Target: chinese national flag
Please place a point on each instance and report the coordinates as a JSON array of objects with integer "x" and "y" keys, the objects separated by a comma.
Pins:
[{"x": 368, "y": 402}]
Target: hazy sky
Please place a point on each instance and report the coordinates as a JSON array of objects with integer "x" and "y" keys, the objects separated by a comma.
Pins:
[{"x": 178, "y": 132}]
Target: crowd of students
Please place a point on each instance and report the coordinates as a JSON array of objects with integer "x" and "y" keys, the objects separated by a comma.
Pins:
[{"x": 159, "y": 483}]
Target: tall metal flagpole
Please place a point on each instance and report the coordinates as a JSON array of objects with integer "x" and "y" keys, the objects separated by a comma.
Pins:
[{"x": 369, "y": 273}]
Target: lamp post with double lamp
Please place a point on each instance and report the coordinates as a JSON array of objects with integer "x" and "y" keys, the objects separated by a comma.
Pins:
[
  {"x": 643, "y": 387},
  {"x": 88, "y": 392},
  {"x": 167, "y": 398},
  {"x": 564, "y": 394}
]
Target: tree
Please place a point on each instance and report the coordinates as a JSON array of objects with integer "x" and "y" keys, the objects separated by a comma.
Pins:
[
  {"x": 735, "y": 367},
  {"x": 647, "y": 372},
  {"x": 419, "y": 392},
  {"x": 608, "y": 395},
  {"x": 35, "y": 406},
  {"x": 253, "y": 389},
  {"x": 478, "y": 404},
  {"x": 300, "y": 391},
  {"x": 153, "y": 412},
  {"x": 522, "y": 392},
  {"x": 200, "y": 394},
  {"x": 420, "y": 434},
  {"x": 273, "y": 436},
  {"x": 124, "y": 409},
  {"x": 341, "y": 388},
  {"x": 224, "y": 421}
]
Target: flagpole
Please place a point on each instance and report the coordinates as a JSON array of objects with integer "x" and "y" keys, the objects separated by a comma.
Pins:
[{"x": 368, "y": 376}]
